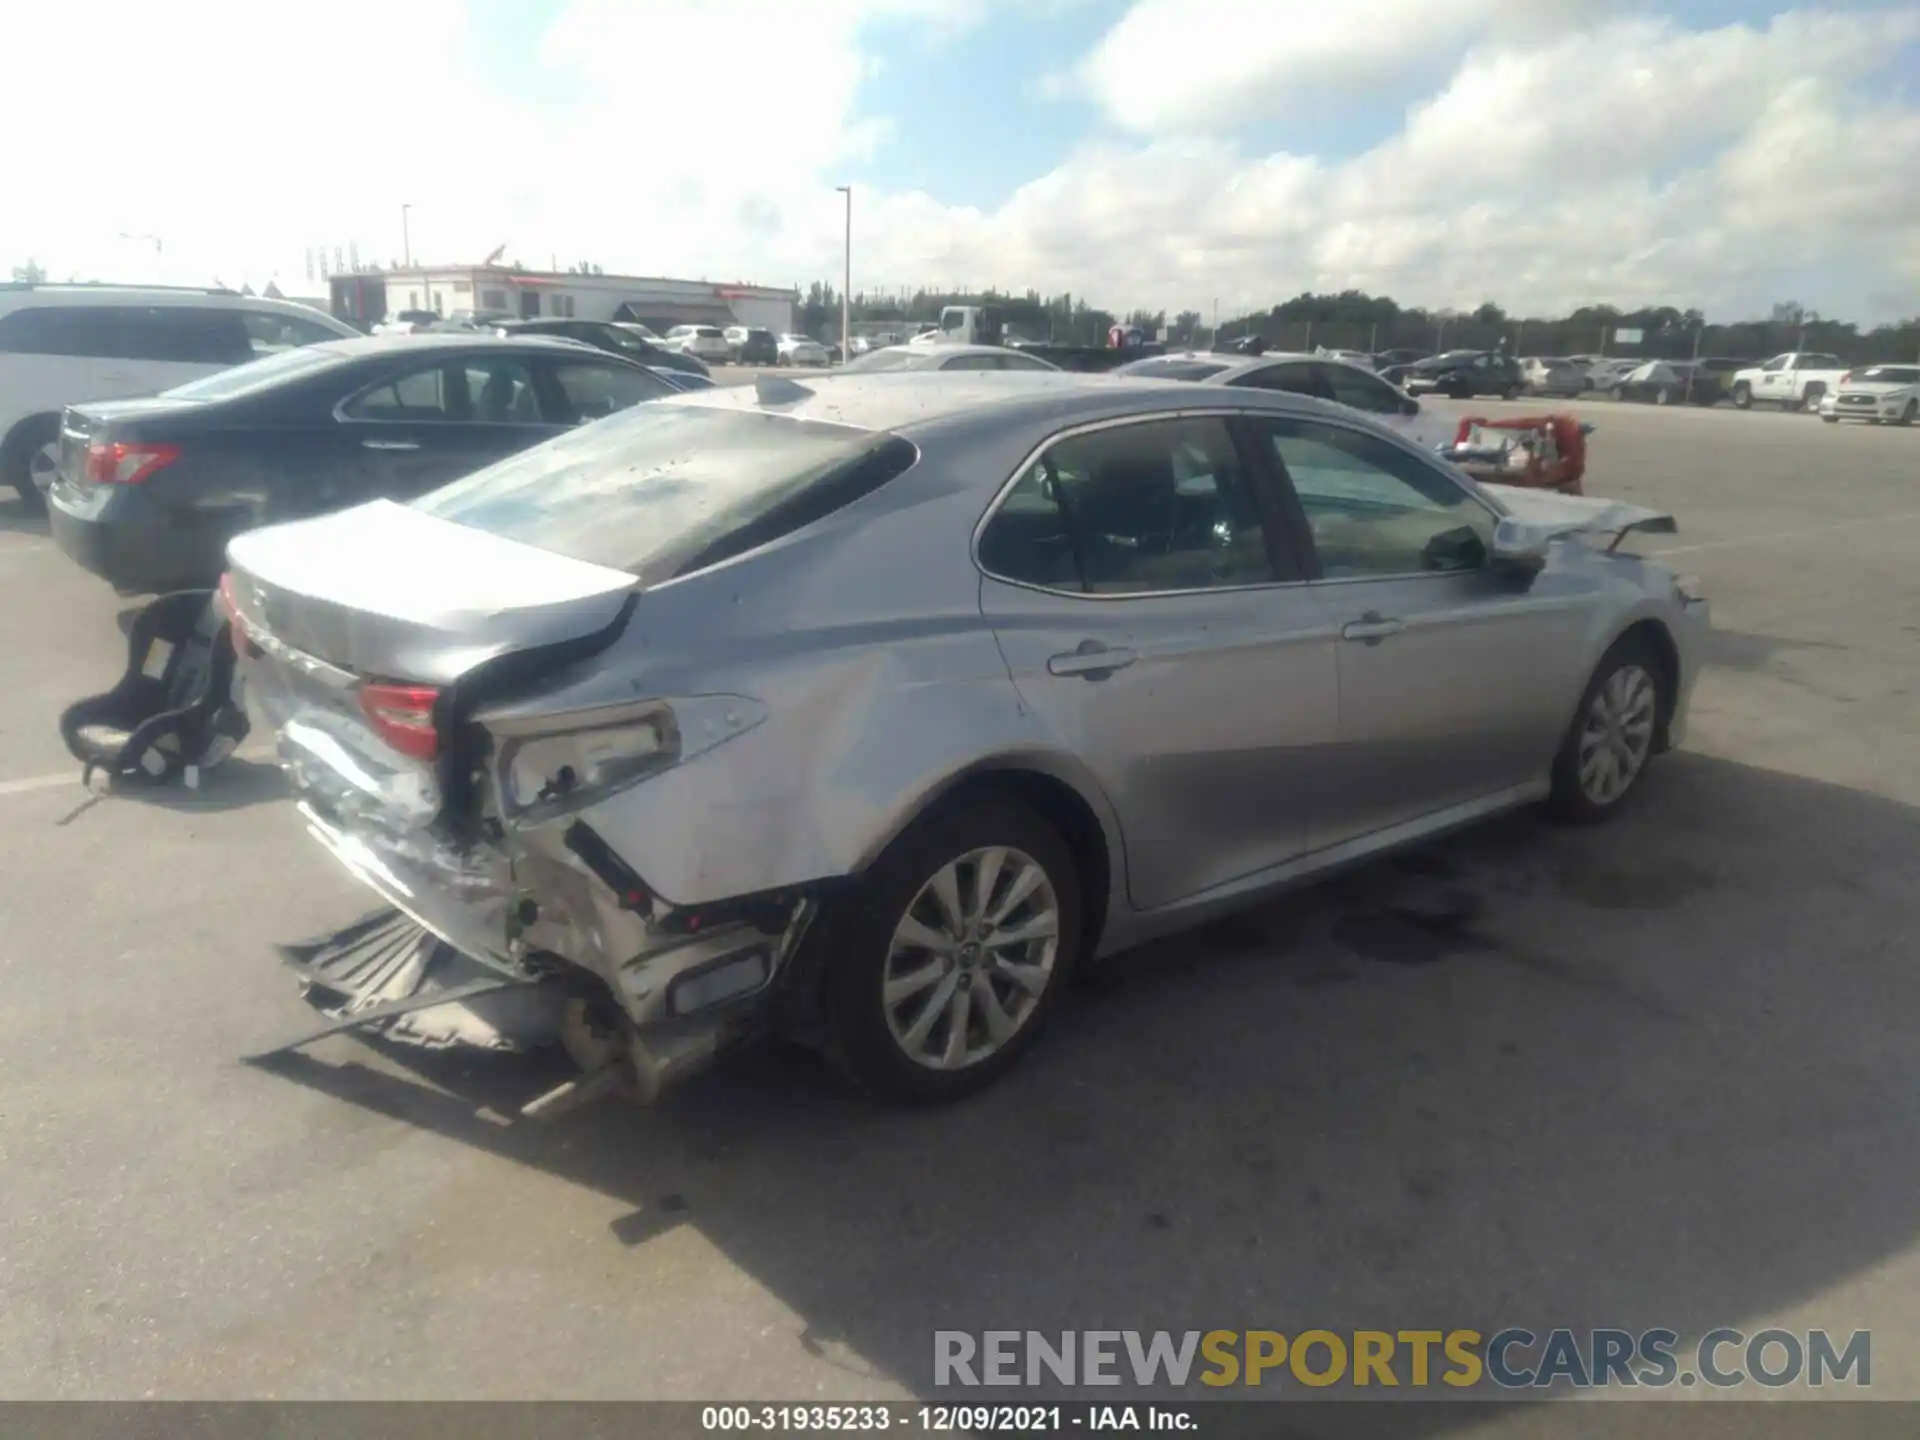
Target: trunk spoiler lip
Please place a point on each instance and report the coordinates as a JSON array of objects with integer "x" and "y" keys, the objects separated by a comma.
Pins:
[{"x": 1535, "y": 518}]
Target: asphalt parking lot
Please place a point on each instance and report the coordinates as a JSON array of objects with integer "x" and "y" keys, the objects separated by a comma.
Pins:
[{"x": 1656, "y": 1073}]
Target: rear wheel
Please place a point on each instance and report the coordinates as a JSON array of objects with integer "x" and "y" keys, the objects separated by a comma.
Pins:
[
  {"x": 1811, "y": 400},
  {"x": 1743, "y": 396},
  {"x": 31, "y": 460},
  {"x": 1610, "y": 741},
  {"x": 1663, "y": 396},
  {"x": 1512, "y": 392},
  {"x": 953, "y": 952}
]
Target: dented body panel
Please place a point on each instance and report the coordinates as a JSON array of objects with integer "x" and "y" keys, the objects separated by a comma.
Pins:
[{"x": 656, "y": 785}]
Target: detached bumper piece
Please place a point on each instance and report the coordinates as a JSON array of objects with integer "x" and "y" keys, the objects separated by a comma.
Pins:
[{"x": 385, "y": 971}]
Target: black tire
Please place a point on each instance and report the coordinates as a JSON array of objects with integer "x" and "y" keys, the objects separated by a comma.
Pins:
[
  {"x": 1910, "y": 414},
  {"x": 1831, "y": 419},
  {"x": 16, "y": 462},
  {"x": 1663, "y": 396},
  {"x": 859, "y": 1037},
  {"x": 1570, "y": 800},
  {"x": 1810, "y": 402},
  {"x": 1743, "y": 396},
  {"x": 1512, "y": 392}
]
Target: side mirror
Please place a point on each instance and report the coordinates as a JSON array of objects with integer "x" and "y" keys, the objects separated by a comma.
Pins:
[{"x": 1519, "y": 552}]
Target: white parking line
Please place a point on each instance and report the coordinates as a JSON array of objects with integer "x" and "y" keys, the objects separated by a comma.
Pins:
[
  {"x": 40, "y": 782},
  {"x": 1801, "y": 533}
]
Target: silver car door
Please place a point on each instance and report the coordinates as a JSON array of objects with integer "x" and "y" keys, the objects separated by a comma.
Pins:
[
  {"x": 1456, "y": 682},
  {"x": 1162, "y": 637}
]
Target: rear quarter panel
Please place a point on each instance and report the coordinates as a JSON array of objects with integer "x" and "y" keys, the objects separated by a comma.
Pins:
[{"x": 881, "y": 684}]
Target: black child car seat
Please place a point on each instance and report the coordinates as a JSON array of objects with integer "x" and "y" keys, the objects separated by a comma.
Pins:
[{"x": 174, "y": 706}]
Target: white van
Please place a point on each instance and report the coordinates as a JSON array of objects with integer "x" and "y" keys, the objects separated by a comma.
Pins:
[{"x": 66, "y": 345}]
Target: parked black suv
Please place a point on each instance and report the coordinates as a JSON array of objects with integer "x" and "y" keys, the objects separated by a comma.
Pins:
[
  {"x": 1461, "y": 374},
  {"x": 748, "y": 346},
  {"x": 604, "y": 335}
]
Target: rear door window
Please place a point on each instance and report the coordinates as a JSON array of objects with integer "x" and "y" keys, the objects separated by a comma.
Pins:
[
  {"x": 184, "y": 335},
  {"x": 492, "y": 390},
  {"x": 1360, "y": 391},
  {"x": 1155, "y": 507},
  {"x": 178, "y": 334},
  {"x": 1296, "y": 377},
  {"x": 593, "y": 392}
]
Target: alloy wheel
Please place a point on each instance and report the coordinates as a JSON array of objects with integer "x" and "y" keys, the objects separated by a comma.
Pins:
[
  {"x": 1617, "y": 734},
  {"x": 971, "y": 958}
]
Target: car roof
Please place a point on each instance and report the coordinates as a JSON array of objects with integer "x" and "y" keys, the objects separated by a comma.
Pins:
[
  {"x": 454, "y": 340},
  {"x": 913, "y": 402},
  {"x": 23, "y": 294},
  {"x": 1232, "y": 367}
]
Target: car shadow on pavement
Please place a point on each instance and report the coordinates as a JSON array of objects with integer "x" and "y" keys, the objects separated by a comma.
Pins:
[
  {"x": 1655, "y": 1073},
  {"x": 235, "y": 784}
]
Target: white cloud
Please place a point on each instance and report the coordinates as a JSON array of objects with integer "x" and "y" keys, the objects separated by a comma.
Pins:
[
  {"x": 1623, "y": 158},
  {"x": 1210, "y": 65},
  {"x": 1627, "y": 160}
]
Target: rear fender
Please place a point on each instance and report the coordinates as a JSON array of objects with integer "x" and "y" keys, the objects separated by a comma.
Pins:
[{"x": 848, "y": 756}]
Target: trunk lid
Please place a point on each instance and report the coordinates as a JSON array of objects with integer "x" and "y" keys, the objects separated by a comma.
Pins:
[
  {"x": 388, "y": 591},
  {"x": 336, "y": 609}
]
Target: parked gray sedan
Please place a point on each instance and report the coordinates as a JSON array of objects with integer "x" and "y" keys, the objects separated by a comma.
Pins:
[{"x": 871, "y": 707}]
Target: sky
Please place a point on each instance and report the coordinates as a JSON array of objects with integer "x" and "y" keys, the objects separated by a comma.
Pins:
[{"x": 1161, "y": 154}]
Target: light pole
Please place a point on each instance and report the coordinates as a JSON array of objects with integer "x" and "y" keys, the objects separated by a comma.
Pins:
[
  {"x": 846, "y": 282},
  {"x": 406, "y": 238}
]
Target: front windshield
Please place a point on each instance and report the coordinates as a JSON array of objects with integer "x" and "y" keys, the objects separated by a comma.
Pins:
[
  {"x": 654, "y": 489},
  {"x": 257, "y": 374}
]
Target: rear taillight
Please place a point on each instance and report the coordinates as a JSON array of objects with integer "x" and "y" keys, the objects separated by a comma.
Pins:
[
  {"x": 121, "y": 462},
  {"x": 1847, "y": 379},
  {"x": 402, "y": 715}
]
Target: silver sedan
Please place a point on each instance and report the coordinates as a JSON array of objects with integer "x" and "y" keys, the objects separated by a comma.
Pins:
[{"x": 873, "y": 707}]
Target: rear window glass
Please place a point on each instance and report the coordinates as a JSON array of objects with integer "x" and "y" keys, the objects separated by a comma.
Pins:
[
  {"x": 898, "y": 358},
  {"x": 1891, "y": 374},
  {"x": 256, "y": 375},
  {"x": 667, "y": 489},
  {"x": 1175, "y": 369}
]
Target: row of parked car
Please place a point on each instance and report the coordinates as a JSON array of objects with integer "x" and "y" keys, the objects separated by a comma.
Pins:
[
  {"x": 1795, "y": 380},
  {"x": 785, "y": 705}
]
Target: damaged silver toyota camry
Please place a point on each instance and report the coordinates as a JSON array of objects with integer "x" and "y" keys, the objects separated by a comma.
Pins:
[{"x": 868, "y": 708}]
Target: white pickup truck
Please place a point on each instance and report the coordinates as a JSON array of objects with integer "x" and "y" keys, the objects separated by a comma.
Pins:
[{"x": 1797, "y": 380}]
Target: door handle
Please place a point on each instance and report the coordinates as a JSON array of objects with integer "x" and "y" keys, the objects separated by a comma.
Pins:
[
  {"x": 389, "y": 444},
  {"x": 1091, "y": 660},
  {"x": 1371, "y": 628}
]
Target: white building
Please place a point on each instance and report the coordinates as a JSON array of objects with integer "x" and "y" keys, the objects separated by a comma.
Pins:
[{"x": 450, "y": 289}]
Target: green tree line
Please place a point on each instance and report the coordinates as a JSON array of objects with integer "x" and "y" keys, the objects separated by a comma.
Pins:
[{"x": 1354, "y": 320}]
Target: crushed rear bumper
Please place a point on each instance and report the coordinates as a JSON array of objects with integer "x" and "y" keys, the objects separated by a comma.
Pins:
[{"x": 684, "y": 984}]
